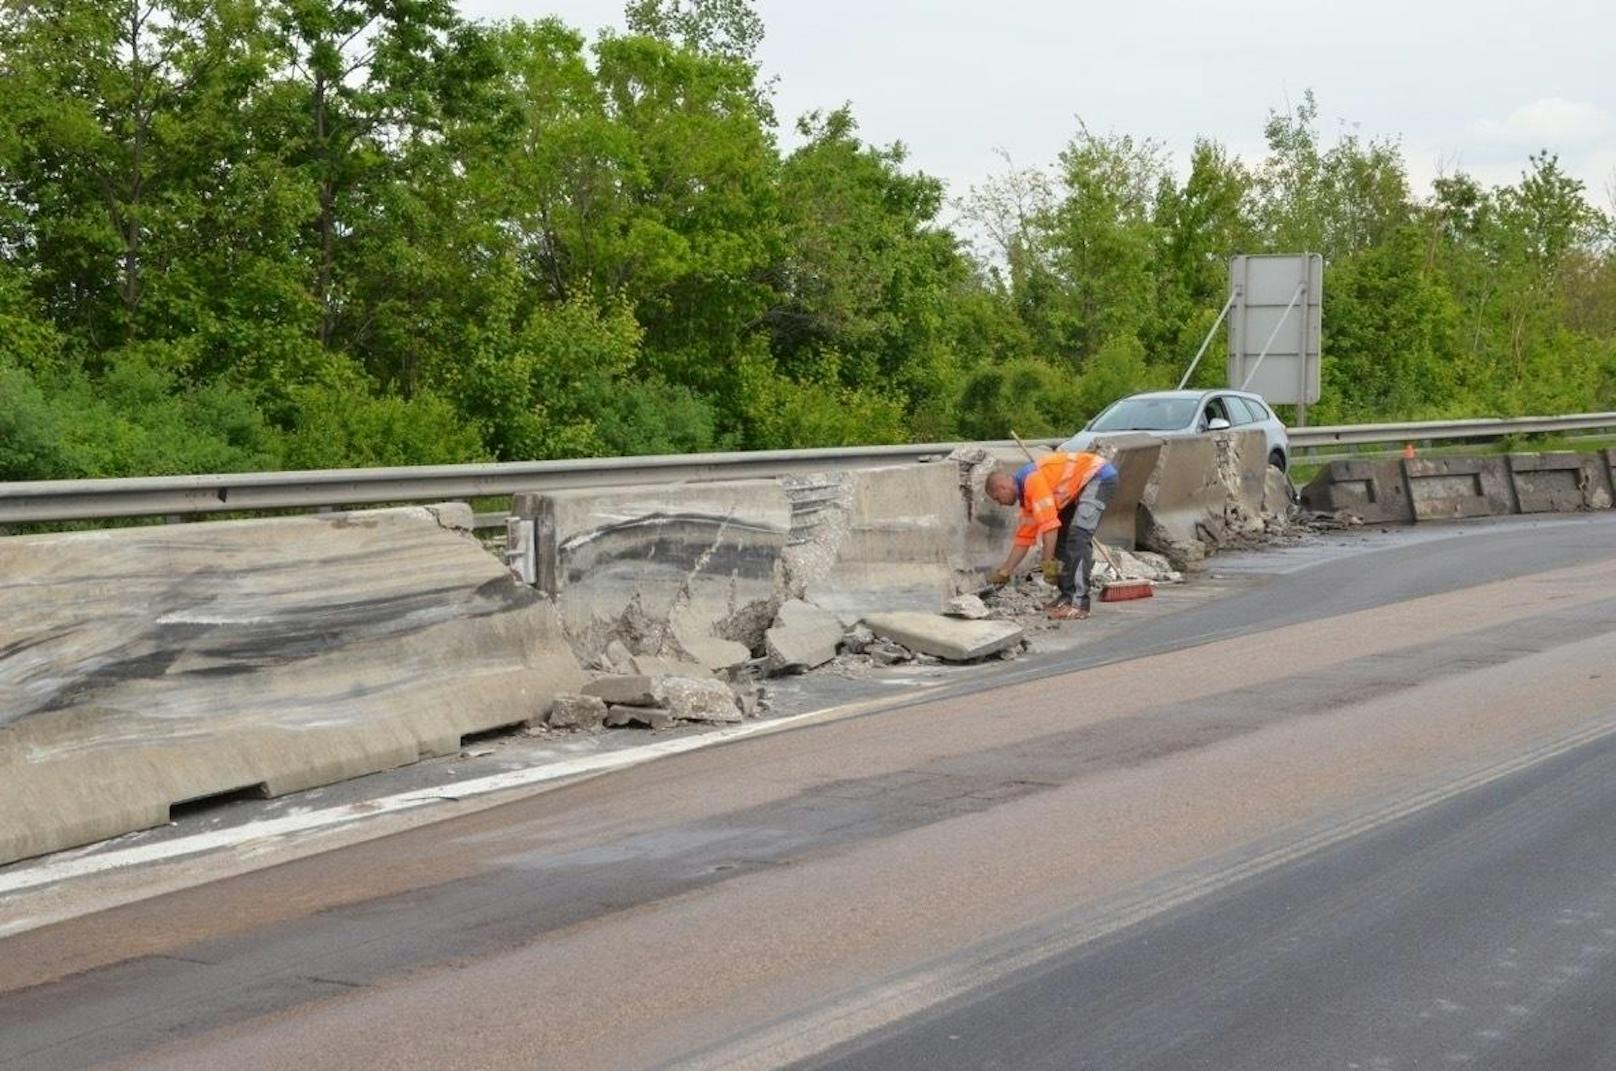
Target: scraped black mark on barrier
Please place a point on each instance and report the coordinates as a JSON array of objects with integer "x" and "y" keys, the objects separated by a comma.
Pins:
[
  {"x": 241, "y": 647},
  {"x": 673, "y": 540}
]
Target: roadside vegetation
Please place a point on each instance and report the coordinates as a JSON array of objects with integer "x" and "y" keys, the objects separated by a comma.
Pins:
[{"x": 248, "y": 234}]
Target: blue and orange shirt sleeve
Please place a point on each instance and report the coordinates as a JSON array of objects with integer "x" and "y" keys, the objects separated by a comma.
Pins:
[{"x": 1039, "y": 513}]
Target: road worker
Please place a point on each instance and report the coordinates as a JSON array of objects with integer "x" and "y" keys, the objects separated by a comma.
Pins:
[{"x": 1062, "y": 497}]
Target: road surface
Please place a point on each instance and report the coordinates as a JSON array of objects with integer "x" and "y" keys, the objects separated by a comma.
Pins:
[{"x": 1354, "y": 816}]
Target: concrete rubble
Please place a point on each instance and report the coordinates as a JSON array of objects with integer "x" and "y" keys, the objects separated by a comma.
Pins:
[
  {"x": 732, "y": 581},
  {"x": 657, "y": 702}
]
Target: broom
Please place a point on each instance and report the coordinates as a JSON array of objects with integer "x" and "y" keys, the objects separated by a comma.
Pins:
[{"x": 1115, "y": 590}]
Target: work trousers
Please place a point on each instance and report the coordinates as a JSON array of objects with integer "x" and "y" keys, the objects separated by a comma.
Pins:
[{"x": 1074, "y": 547}]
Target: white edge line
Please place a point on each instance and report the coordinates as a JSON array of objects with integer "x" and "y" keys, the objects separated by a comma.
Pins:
[{"x": 52, "y": 872}]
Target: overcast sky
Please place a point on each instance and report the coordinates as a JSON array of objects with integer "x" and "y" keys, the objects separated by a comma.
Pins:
[{"x": 1463, "y": 84}]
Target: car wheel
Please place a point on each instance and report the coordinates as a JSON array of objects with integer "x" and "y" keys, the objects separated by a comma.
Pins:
[{"x": 1277, "y": 459}]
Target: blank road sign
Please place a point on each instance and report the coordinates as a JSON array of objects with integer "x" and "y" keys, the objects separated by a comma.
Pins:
[{"x": 1276, "y": 319}]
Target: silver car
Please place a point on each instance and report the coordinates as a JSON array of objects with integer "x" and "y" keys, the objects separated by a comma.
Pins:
[{"x": 1177, "y": 414}]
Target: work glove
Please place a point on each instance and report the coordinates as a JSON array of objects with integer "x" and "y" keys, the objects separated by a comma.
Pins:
[
  {"x": 998, "y": 578},
  {"x": 1051, "y": 571}
]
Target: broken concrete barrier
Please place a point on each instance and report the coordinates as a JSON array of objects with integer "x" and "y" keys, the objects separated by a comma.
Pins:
[
  {"x": 877, "y": 539},
  {"x": 686, "y": 569},
  {"x": 1560, "y": 482},
  {"x": 1279, "y": 497},
  {"x": 1242, "y": 460},
  {"x": 803, "y": 637},
  {"x": 1181, "y": 513},
  {"x": 145, "y": 667},
  {"x": 950, "y": 638}
]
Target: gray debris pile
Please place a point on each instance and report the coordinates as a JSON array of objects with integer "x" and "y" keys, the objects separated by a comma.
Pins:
[{"x": 1117, "y": 565}]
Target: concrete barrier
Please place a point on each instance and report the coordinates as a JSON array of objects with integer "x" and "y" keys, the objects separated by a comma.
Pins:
[
  {"x": 145, "y": 667},
  {"x": 1373, "y": 490},
  {"x": 1242, "y": 461},
  {"x": 692, "y": 569},
  {"x": 1560, "y": 482},
  {"x": 1449, "y": 488}
]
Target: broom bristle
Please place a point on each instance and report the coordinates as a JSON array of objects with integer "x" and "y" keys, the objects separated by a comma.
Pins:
[{"x": 1123, "y": 590}]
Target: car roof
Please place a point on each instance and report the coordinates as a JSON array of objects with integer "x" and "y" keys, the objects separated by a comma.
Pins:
[{"x": 1176, "y": 394}]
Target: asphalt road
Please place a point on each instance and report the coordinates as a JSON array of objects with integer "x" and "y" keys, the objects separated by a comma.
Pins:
[{"x": 1352, "y": 816}]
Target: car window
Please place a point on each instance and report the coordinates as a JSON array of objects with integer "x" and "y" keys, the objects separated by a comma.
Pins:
[
  {"x": 1240, "y": 411},
  {"x": 1146, "y": 414},
  {"x": 1258, "y": 409},
  {"x": 1214, "y": 411}
]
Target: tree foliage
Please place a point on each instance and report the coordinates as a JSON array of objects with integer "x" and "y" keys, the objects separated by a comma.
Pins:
[{"x": 242, "y": 234}]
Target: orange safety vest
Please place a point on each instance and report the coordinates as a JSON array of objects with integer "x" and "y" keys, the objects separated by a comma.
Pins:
[{"x": 1049, "y": 488}]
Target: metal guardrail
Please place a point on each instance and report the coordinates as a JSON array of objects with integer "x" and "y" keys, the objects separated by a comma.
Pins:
[
  {"x": 1438, "y": 430},
  {"x": 68, "y": 500}
]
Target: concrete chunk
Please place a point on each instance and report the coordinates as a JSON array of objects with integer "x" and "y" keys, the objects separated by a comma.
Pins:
[
  {"x": 803, "y": 636},
  {"x": 970, "y": 607},
  {"x": 627, "y": 690},
  {"x": 698, "y": 699},
  {"x": 712, "y": 652},
  {"x": 573, "y": 711},
  {"x": 948, "y": 638}
]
